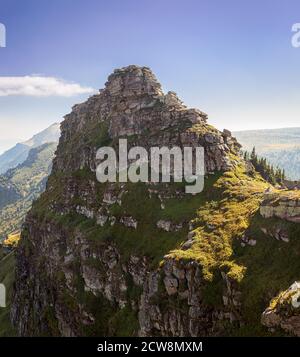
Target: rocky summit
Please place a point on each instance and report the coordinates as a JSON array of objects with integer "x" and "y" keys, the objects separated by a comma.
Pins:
[{"x": 145, "y": 259}]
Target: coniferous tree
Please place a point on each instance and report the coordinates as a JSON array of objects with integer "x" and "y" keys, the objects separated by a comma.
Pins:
[{"x": 267, "y": 171}]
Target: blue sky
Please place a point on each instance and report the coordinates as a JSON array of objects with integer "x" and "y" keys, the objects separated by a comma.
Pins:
[{"x": 232, "y": 59}]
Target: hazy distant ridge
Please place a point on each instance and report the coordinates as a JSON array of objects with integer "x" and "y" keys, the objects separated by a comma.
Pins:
[
  {"x": 21, "y": 185},
  {"x": 280, "y": 146},
  {"x": 19, "y": 153}
]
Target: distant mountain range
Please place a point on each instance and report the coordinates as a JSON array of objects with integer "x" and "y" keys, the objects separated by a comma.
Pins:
[
  {"x": 21, "y": 185},
  {"x": 18, "y": 154},
  {"x": 280, "y": 146},
  {"x": 24, "y": 170}
]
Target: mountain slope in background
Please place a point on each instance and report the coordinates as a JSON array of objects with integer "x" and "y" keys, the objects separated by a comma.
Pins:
[
  {"x": 280, "y": 146},
  {"x": 18, "y": 154},
  {"x": 21, "y": 185}
]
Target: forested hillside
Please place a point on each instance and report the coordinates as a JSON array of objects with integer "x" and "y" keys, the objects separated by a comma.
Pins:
[{"x": 21, "y": 185}]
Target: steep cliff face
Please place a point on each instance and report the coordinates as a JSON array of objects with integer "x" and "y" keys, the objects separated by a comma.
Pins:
[{"x": 143, "y": 259}]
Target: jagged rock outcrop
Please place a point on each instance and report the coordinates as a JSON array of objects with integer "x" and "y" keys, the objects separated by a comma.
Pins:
[
  {"x": 139, "y": 259},
  {"x": 282, "y": 204},
  {"x": 133, "y": 105},
  {"x": 284, "y": 311},
  {"x": 184, "y": 282}
]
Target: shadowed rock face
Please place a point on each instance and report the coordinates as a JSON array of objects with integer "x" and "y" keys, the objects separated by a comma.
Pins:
[{"x": 73, "y": 268}]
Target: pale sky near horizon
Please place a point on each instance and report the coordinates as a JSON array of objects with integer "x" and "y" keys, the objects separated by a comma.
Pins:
[{"x": 233, "y": 60}]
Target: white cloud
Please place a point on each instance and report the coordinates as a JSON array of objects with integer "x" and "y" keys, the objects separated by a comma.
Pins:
[{"x": 39, "y": 86}]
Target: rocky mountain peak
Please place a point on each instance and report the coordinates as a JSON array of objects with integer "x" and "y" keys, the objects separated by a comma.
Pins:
[
  {"x": 101, "y": 241},
  {"x": 133, "y": 81},
  {"x": 132, "y": 104},
  {"x": 146, "y": 259}
]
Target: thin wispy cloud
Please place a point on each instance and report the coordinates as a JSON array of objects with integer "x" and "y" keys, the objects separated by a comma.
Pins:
[{"x": 40, "y": 86}]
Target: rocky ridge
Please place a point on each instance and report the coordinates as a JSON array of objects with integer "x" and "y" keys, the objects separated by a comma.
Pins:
[{"x": 282, "y": 204}]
